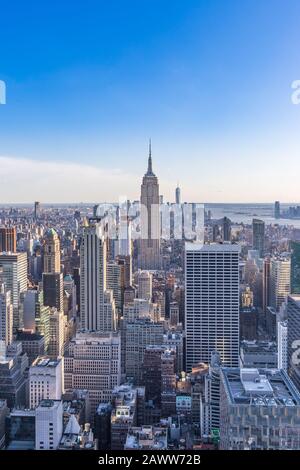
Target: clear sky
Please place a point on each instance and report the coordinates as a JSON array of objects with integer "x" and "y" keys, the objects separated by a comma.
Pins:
[{"x": 88, "y": 82}]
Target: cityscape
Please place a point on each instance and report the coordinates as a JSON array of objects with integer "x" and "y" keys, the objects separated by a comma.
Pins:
[
  {"x": 149, "y": 231},
  {"x": 170, "y": 340}
]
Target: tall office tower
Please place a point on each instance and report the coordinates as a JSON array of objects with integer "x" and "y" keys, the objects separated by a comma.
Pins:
[
  {"x": 124, "y": 247},
  {"x": 53, "y": 287},
  {"x": 168, "y": 383},
  {"x": 295, "y": 267},
  {"x": 138, "y": 335},
  {"x": 215, "y": 232},
  {"x": 45, "y": 380},
  {"x": 277, "y": 210},
  {"x": 93, "y": 273},
  {"x": 93, "y": 362},
  {"x": 210, "y": 410},
  {"x": 4, "y": 412},
  {"x": 36, "y": 315},
  {"x": 174, "y": 314},
  {"x": 211, "y": 303},
  {"x": 266, "y": 284},
  {"x": 258, "y": 234},
  {"x": 177, "y": 195},
  {"x": 76, "y": 277},
  {"x": 33, "y": 344},
  {"x": 270, "y": 397},
  {"x": 69, "y": 296},
  {"x": 52, "y": 252},
  {"x": 293, "y": 337},
  {"x": 152, "y": 373},
  {"x": 115, "y": 282},
  {"x": 226, "y": 229},
  {"x": 282, "y": 345},
  {"x": 280, "y": 273},
  {"x": 56, "y": 333},
  {"x": 14, "y": 275},
  {"x": 102, "y": 426},
  {"x": 48, "y": 424},
  {"x": 6, "y": 315},
  {"x": 144, "y": 281},
  {"x": 149, "y": 246},
  {"x": 174, "y": 340},
  {"x": 13, "y": 378},
  {"x": 37, "y": 210},
  {"x": 8, "y": 239},
  {"x": 125, "y": 262}
]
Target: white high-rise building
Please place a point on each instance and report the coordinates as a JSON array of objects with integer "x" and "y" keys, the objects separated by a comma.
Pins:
[
  {"x": 14, "y": 275},
  {"x": 56, "y": 333},
  {"x": 93, "y": 282},
  {"x": 124, "y": 231},
  {"x": 93, "y": 362},
  {"x": 45, "y": 380},
  {"x": 280, "y": 273},
  {"x": 212, "y": 303},
  {"x": 48, "y": 424},
  {"x": 282, "y": 345},
  {"x": 6, "y": 316}
]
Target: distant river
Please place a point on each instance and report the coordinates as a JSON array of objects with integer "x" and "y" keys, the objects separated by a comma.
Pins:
[{"x": 246, "y": 212}]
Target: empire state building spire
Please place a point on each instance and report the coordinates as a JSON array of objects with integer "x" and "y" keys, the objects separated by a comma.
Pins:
[{"x": 149, "y": 170}]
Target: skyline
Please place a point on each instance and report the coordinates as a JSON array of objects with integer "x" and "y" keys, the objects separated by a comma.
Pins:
[{"x": 209, "y": 83}]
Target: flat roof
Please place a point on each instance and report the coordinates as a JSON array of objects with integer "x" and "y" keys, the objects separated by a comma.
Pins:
[
  {"x": 212, "y": 247},
  {"x": 260, "y": 387},
  {"x": 45, "y": 362}
]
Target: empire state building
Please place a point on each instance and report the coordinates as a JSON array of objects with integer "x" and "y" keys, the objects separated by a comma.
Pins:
[{"x": 149, "y": 253}]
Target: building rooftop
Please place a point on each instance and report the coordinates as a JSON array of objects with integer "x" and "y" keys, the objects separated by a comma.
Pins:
[
  {"x": 43, "y": 361},
  {"x": 147, "y": 437},
  {"x": 295, "y": 298},
  {"x": 212, "y": 247},
  {"x": 124, "y": 399},
  {"x": 259, "y": 387},
  {"x": 258, "y": 346},
  {"x": 29, "y": 336},
  {"x": 49, "y": 404}
]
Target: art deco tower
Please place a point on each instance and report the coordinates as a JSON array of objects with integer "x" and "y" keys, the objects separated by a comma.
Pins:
[
  {"x": 149, "y": 255},
  {"x": 52, "y": 252}
]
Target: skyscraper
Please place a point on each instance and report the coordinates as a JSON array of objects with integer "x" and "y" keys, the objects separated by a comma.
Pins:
[
  {"x": 211, "y": 303},
  {"x": 144, "y": 281},
  {"x": 226, "y": 229},
  {"x": 177, "y": 195},
  {"x": 93, "y": 362},
  {"x": 266, "y": 284},
  {"x": 293, "y": 337},
  {"x": 52, "y": 252},
  {"x": 6, "y": 315},
  {"x": 280, "y": 271},
  {"x": 53, "y": 286},
  {"x": 14, "y": 276},
  {"x": 149, "y": 255},
  {"x": 45, "y": 380},
  {"x": 8, "y": 239},
  {"x": 95, "y": 313},
  {"x": 258, "y": 234},
  {"x": 37, "y": 209},
  {"x": 277, "y": 210},
  {"x": 295, "y": 267}
]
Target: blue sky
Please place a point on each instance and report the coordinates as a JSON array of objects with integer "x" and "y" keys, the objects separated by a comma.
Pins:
[{"x": 209, "y": 80}]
